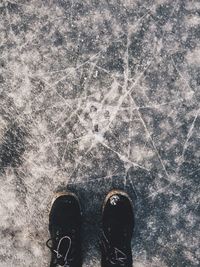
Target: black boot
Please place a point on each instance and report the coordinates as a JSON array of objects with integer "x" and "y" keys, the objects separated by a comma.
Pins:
[
  {"x": 118, "y": 224},
  {"x": 65, "y": 231}
]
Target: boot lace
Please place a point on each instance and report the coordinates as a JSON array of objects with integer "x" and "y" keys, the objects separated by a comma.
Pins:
[
  {"x": 57, "y": 253},
  {"x": 114, "y": 255}
]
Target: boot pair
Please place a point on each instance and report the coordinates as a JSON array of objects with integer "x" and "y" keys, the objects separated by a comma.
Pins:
[{"x": 65, "y": 230}]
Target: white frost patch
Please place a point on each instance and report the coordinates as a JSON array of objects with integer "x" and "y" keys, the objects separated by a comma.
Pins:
[
  {"x": 3, "y": 125},
  {"x": 139, "y": 264},
  {"x": 8, "y": 201},
  {"x": 174, "y": 208},
  {"x": 36, "y": 250},
  {"x": 193, "y": 57},
  {"x": 193, "y": 20},
  {"x": 99, "y": 137},
  {"x": 190, "y": 256},
  {"x": 192, "y": 5},
  {"x": 21, "y": 84},
  {"x": 139, "y": 153},
  {"x": 155, "y": 262},
  {"x": 92, "y": 262},
  {"x": 191, "y": 219}
]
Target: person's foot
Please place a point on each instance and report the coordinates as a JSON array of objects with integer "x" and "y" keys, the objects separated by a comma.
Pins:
[
  {"x": 117, "y": 226},
  {"x": 65, "y": 231}
]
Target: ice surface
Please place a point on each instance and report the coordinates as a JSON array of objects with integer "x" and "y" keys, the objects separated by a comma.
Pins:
[{"x": 96, "y": 95}]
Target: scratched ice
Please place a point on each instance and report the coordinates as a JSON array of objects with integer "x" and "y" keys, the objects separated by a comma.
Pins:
[{"x": 96, "y": 95}]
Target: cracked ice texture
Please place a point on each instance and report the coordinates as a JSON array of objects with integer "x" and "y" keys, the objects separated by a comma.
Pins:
[{"x": 96, "y": 95}]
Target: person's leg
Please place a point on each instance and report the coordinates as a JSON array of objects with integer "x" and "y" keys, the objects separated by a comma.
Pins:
[
  {"x": 117, "y": 230},
  {"x": 65, "y": 231}
]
